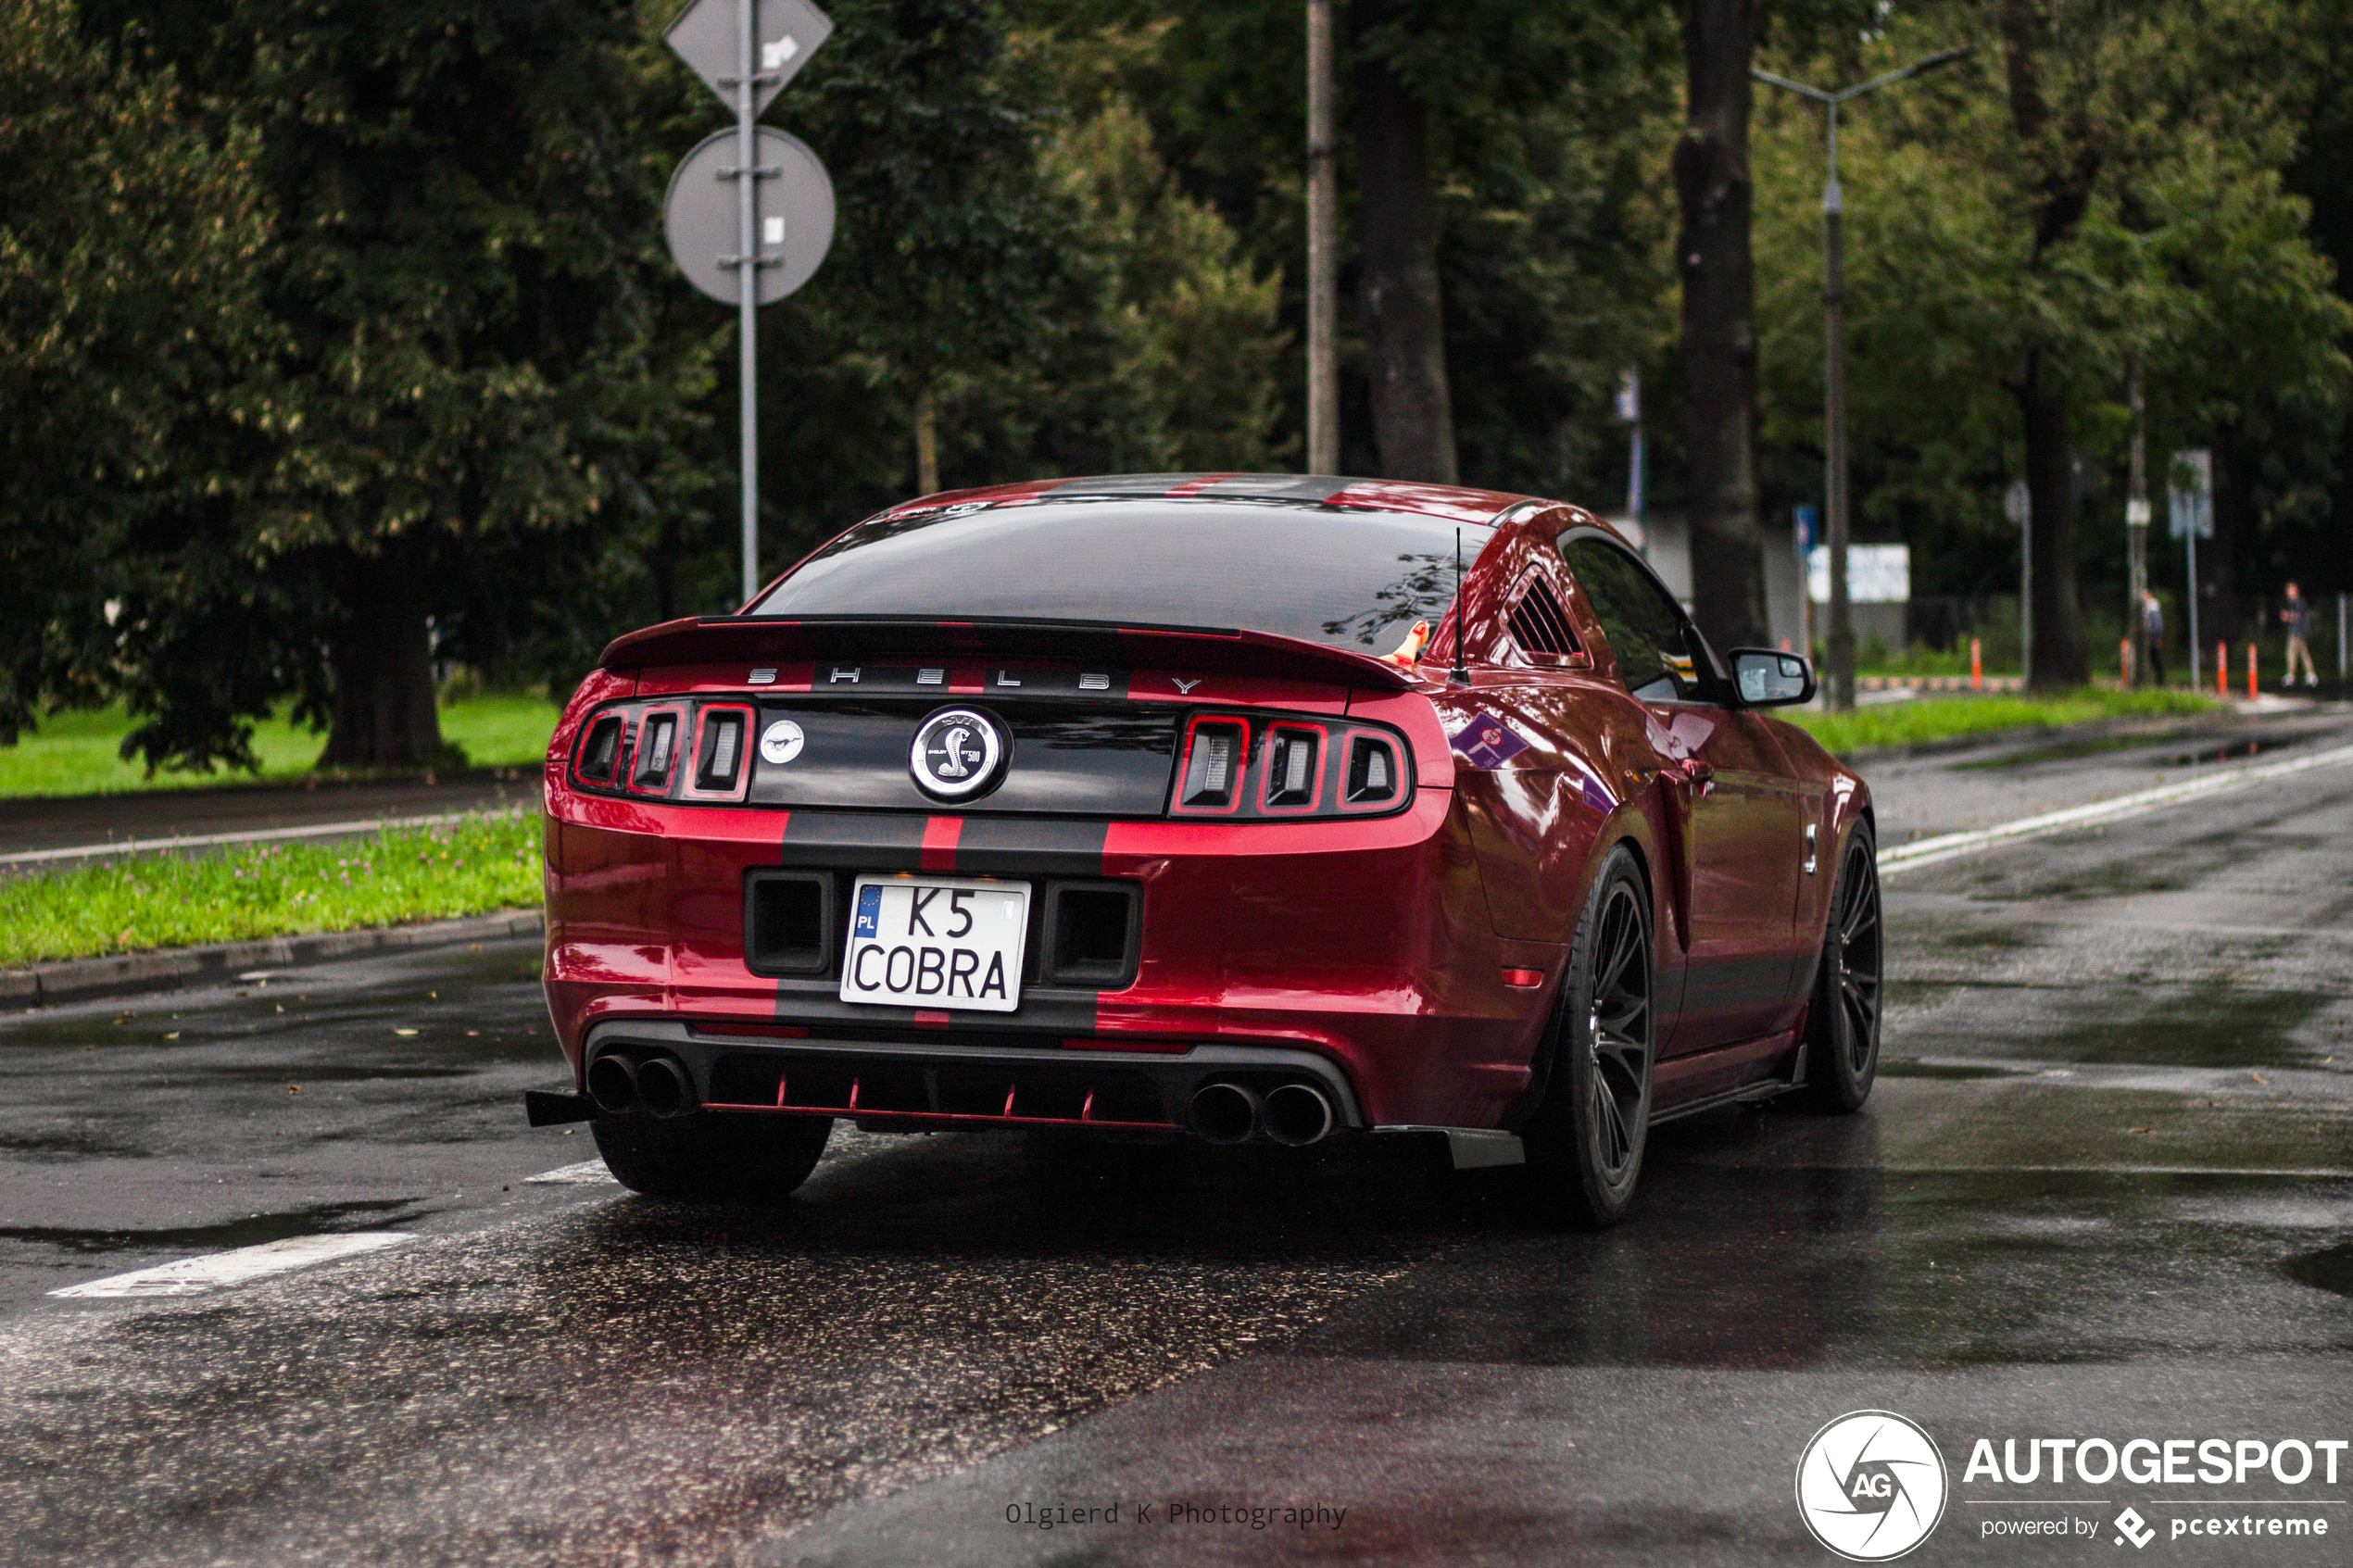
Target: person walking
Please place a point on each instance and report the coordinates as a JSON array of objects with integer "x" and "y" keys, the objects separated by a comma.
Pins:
[
  {"x": 2153, "y": 620},
  {"x": 2298, "y": 615}
]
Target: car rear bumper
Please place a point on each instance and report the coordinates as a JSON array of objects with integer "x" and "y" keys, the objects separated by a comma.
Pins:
[{"x": 1360, "y": 953}]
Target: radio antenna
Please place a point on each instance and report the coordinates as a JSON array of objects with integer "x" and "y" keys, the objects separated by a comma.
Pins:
[{"x": 1459, "y": 675}]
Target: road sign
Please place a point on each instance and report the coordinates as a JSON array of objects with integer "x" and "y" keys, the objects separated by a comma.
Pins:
[
  {"x": 784, "y": 33},
  {"x": 793, "y": 221},
  {"x": 2018, "y": 503},
  {"x": 1807, "y": 520},
  {"x": 2189, "y": 494}
]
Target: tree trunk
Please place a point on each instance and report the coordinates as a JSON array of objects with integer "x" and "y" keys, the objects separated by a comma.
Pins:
[
  {"x": 2058, "y": 619},
  {"x": 1719, "y": 329},
  {"x": 383, "y": 660},
  {"x": 1405, "y": 327}
]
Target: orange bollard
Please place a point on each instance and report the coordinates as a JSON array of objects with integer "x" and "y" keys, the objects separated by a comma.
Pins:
[
  {"x": 1976, "y": 666},
  {"x": 2250, "y": 671},
  {"x": 2124, "y": 663},
  {"x": 2222, "y": 669}
]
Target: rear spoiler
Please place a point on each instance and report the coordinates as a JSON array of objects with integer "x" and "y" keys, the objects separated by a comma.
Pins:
[{"x": 753, "y": 639}]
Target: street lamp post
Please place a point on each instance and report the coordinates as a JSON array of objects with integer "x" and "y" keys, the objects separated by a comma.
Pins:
[{"x": 1841, "y": 638}]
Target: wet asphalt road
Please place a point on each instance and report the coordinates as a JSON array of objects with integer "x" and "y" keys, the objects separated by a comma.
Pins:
[{"x": 2105, "y": 1188}]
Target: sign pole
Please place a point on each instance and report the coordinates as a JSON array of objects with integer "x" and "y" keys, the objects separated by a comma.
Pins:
[{"x": 748, "y": 284}]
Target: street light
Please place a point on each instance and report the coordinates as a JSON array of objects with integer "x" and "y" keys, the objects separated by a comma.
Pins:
[{"x": 1840, "y": 639}]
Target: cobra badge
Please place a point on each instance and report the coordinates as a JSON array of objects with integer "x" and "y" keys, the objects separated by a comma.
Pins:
[{"x": 959, "y": 754}]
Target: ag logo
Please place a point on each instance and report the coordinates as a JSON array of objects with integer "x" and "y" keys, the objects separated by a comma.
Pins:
[
  {"x": 957, "y": 753},
  {"x": 781, "y": 742},
  {"x": 1871, "y": 1485}
]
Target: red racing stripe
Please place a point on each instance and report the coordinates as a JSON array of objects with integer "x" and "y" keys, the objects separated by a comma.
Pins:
[{"x": 940, "y": 843}]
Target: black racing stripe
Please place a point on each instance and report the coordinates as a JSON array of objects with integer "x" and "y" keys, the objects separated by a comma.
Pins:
[
  {"x": 872, "y": 841},
  {"x": 1037, "y": 846},
  {"x": 1737, "y": 983}
]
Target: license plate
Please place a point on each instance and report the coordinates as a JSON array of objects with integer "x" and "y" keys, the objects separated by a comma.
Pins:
[{"x": 936, "y": 942}]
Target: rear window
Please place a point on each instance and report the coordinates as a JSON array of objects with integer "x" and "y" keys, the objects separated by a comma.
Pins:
[{"x": 1347, "y": 578}]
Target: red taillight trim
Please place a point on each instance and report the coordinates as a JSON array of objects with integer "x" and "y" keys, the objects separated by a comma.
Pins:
[
  {"x": 638, "y": 740},
  {"x": 688, "y": 788}
]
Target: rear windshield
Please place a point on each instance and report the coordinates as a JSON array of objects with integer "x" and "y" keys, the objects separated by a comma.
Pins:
[{"x": 1348, "y": 579}]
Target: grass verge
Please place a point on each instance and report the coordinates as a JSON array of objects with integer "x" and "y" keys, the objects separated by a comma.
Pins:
[
  {"x": 79, "y": 753},
  {"x": 1927, "y": 719},
  {"x": 464, "y": 868}
]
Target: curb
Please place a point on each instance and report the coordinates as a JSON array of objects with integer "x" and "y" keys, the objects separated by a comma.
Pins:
[{"x": 171, "y": 969}]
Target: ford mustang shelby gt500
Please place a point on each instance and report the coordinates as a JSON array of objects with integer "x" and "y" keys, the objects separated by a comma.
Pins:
[{"x": 1229, "y": 807}]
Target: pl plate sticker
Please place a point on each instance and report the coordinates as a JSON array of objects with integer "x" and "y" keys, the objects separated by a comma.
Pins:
[{"x": 1486, "y": 742}]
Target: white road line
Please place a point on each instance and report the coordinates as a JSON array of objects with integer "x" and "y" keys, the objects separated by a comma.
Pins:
[
  {"x": 1947, "y": 846},
  {"x": 262, "y": 836},
  {"x": 194, "y": 1276},
  {"x": 589, "y": 1173}
]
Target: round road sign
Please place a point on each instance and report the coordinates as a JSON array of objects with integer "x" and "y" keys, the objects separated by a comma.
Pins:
[{"x": 793, "y": 217}]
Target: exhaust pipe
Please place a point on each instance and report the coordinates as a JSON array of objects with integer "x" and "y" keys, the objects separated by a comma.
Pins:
[
  {"x": 1296, "y": 1115},
  {"x": 1225, "y": 1113},
  {"x": 663, "y": 1088},
  {"x": 612, "y": 1087}
]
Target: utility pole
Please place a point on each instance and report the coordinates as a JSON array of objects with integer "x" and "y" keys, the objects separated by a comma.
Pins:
[
  {"x": 1841, "y": 638},
  {"x": 2136, "y": 535},
  {"x": 1322, "y": 223}
]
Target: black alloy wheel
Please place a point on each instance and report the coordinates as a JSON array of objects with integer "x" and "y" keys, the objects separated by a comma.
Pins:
[
  {"x": 1585, "y": 1143},
  {"x": 1843, "y": 1026}
]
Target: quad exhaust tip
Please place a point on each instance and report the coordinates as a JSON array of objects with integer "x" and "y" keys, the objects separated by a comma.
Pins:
[
  {"x": 1293, "y": 1115},
  {"x": 657, "y": 1086},
  {"x": 1225, "y": 1113},
  {"x": 1296, "y": 1115}
]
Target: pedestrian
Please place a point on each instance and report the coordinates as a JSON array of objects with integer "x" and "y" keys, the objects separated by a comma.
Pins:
[
  {"x": 2297, "y": 614},
  {"x": 2153, "y": 622}
]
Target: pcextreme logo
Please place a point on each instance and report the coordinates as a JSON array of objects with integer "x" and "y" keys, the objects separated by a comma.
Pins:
[{"x": 1871, "y": 1485}]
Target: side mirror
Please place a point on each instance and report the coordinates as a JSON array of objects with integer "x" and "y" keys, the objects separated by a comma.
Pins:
[{"x": 1768, "y": 678}]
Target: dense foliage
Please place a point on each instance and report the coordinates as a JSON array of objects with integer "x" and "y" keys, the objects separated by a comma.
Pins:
[{"x": 337, "y": 341}]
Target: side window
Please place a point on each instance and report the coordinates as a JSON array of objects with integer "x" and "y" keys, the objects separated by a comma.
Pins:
[{"x": 1643, "y": 625}]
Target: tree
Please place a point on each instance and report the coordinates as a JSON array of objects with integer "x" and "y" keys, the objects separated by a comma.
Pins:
[
  {"x": 129, "y": 331},
  {"x": 1719, "y": 336}
]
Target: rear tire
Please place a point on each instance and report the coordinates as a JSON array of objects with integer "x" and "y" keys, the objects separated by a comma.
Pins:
[
  {"x": 711, "y": 1157},
  {"x": 1843, "y": 1023},
  {"x": 1586, "y": 1140}
]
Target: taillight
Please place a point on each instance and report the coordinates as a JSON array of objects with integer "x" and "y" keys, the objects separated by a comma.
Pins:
[
  {"x": 1372, "y": 772},
  {"x": 1216, "y": 758},
  {"x": 1294, "y": 753},
  {"x": 602, "y": 750},
  {"x": 657, "y": 749},
  {"x": 722, "y": 754}
]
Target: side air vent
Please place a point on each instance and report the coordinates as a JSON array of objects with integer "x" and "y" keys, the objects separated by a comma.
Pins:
[{"x": 1540, "y": 626}]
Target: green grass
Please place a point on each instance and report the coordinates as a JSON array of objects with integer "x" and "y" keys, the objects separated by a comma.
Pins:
[
  {"x": 1927, "y": 719},
  {"x": 77, "y": 753},
  {"x": 463, "y": 868}
]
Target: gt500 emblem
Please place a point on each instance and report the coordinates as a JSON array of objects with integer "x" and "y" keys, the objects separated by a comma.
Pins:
[{"x": 957, "y": 753}]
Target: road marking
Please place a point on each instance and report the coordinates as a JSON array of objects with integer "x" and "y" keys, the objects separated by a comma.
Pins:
[
  {"x": 194, "y": 1276},
  {"x": 200, "y": 840},
  {"x": 1949, "y": 845},
  {"x": 589, "y": 1173}
]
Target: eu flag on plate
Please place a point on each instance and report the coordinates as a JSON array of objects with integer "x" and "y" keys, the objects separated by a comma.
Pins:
[{"x": 869, "y": 922}]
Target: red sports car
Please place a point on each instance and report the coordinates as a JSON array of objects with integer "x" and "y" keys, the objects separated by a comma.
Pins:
[{"x": 1232, "y": 807}]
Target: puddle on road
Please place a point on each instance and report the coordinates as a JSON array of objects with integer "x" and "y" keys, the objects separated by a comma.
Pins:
[
  {"x": 1905, "y": 1067},
  {"x": 2330, "y": 1268},
  {"x": 248, "y": 1232},
  {"x": 2240, "y": 1028},
  {"x": 303, "y": 1072},
  {"x": 78, "y": 1144}
]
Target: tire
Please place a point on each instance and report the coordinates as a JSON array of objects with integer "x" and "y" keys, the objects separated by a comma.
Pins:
[
  {"x": 709, "y": 1157},
  {"x": 1843, "y": 1023},
  {"x": 1586, "y": 1140}
]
